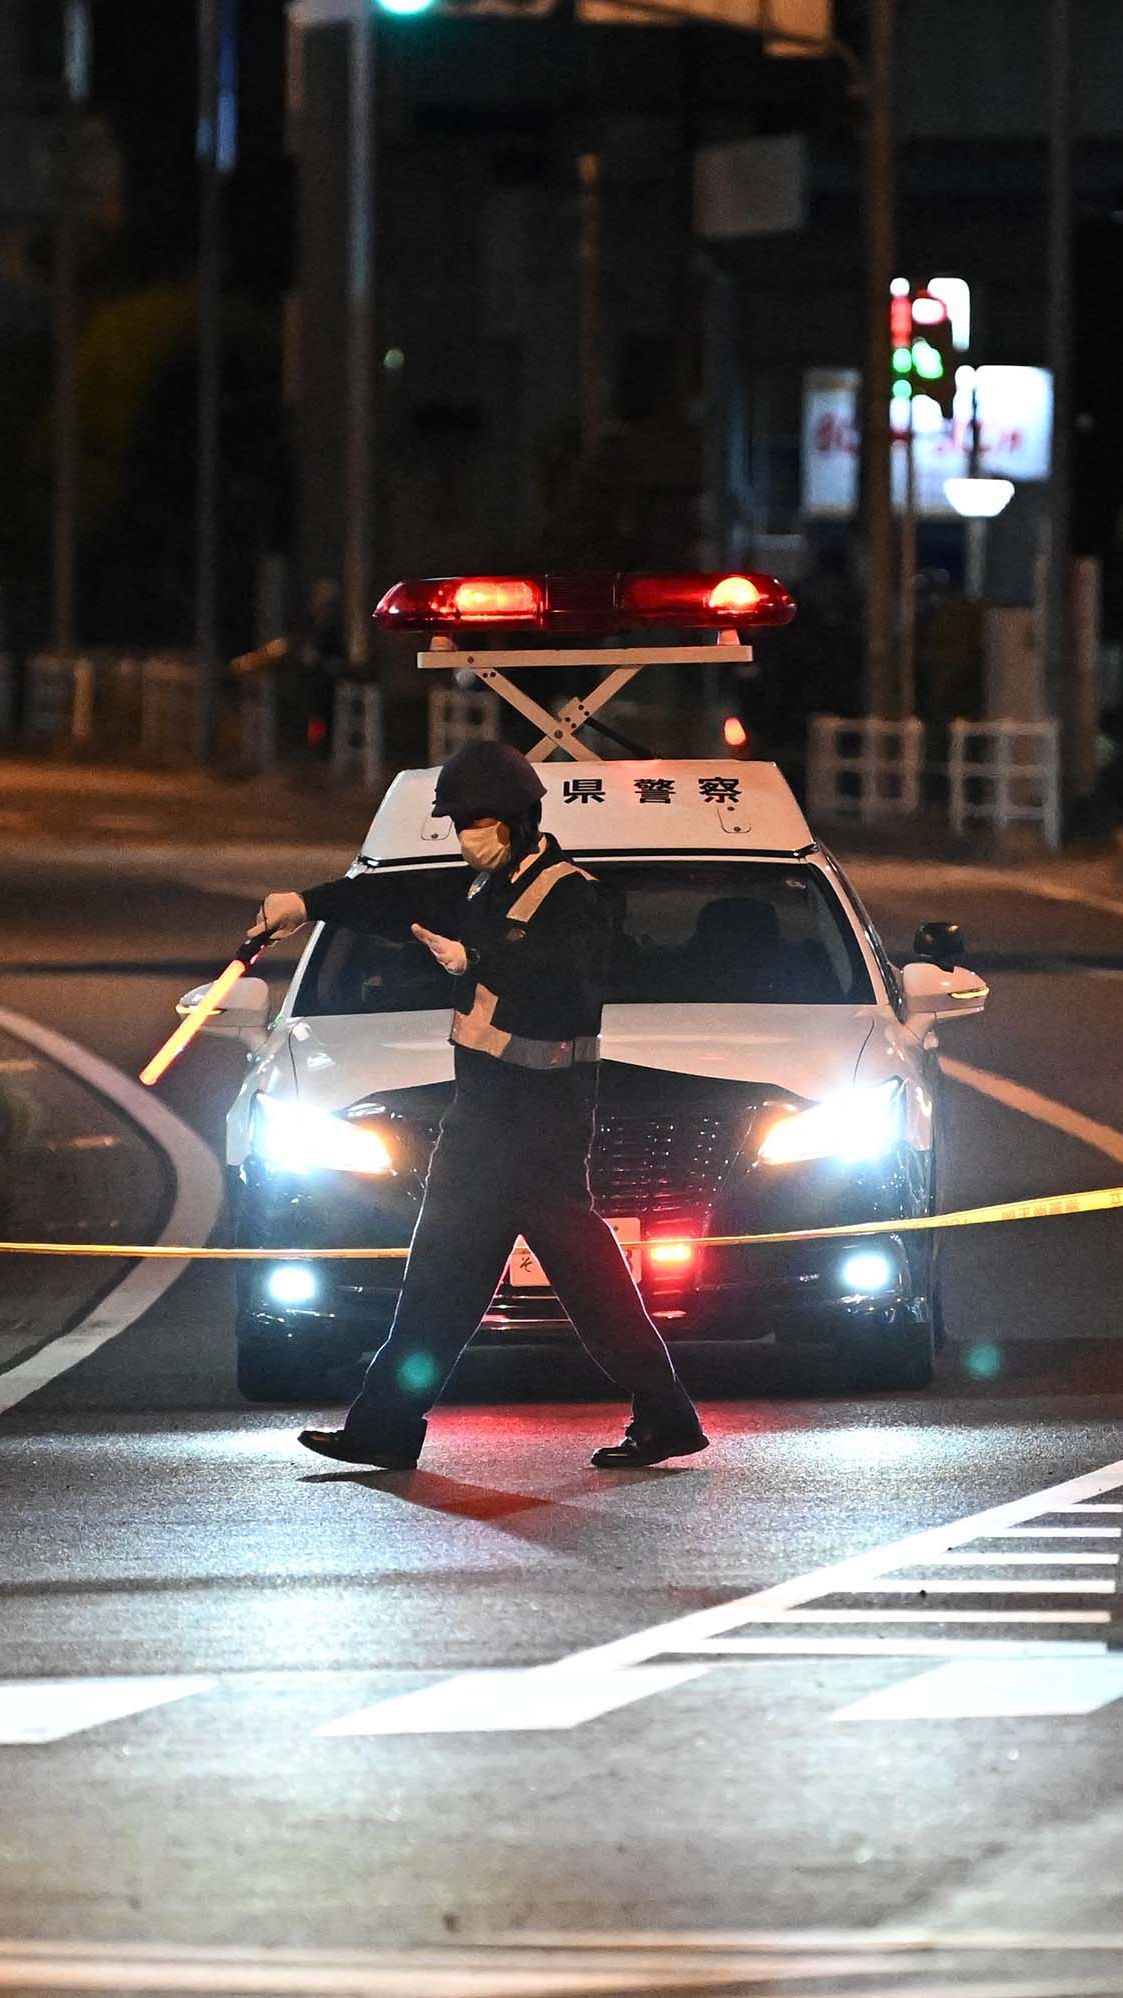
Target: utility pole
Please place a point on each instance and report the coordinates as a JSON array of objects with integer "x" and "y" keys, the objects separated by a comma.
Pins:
[
  {"x": 75, "y": 90},
  {"x": 359, "y": 464},
  {"x": 210, "y": 358},
  {"x": 1058, "y": 620},
  {"x": 878, "y": 210},
  {"x": 592, "y": 398}
]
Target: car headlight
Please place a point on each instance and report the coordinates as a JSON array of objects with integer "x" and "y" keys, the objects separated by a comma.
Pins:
[
  {"x": 855, "y": 1125},
  {"x": 297, "y": 1140}
]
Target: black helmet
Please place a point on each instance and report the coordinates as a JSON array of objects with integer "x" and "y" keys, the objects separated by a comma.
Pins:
[{"x": 487, "y": 780}]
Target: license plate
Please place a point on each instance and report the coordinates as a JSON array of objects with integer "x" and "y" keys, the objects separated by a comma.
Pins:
[{"x": 525, "y": 1272}]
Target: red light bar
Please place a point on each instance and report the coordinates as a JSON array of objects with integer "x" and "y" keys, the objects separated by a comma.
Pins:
[{"x": 586, "y": 604}]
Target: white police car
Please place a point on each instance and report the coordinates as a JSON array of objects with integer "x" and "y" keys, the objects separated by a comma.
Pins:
[{"x": 764, "y": 1066}]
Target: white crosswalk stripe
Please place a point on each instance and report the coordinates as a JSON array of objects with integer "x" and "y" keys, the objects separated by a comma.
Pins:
[
  {"x": 1037, "y": 1642},
  {"x": 42, "y": 1710}
]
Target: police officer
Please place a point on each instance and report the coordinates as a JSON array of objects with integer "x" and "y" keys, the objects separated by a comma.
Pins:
[{"x": 512, "y": 1157}]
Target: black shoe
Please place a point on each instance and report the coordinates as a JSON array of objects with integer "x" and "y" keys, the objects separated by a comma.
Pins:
[
  {"x": 343, "y": 1447},
  {"x": 645, "y": 1443}
]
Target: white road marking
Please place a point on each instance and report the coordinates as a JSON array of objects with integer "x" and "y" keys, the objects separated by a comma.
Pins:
[
  {"x": 1061, "y": 1533},
  {"x": 1043, "y": 1109},
  {"x": 899, "y": 1647},
  {"x": 195, "y": 1210},
  {"x": 935, "y": 1616},
  {"x": 38, "y": 1710},
  {"x": 514, "y": 1700},
  {"x": 1026, "y": 1559},
  {"x": 908, "y": 876},
  {"x": 979, "y": 1689},
  {"x": 975, "y": 1585},
  {"x": 863, "y": 1942},
  {"x": 556, "y": 1967},
  {"x": 605, "y": 1674}
]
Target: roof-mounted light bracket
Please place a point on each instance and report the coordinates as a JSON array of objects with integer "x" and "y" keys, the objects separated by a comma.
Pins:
[
  {"x": 559, "y": 732},
  {"x": 584, "y": 605}
]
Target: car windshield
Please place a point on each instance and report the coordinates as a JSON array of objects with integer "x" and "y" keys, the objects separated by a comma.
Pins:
[{"x": 684, "y": 933}]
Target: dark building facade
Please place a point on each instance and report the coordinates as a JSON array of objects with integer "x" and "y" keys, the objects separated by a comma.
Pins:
[{"x": 492, "y": 269}]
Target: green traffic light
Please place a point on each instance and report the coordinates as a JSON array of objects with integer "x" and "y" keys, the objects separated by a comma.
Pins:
[
  {"x": 927, "y": 362},
  {"x": 404, "y": 6},
  {"x": 902, "y": 360},
  {"x": 902, "y": 391}
]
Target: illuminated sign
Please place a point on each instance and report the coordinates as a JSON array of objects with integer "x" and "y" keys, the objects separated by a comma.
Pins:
[{"x": 1015, "y": 435}]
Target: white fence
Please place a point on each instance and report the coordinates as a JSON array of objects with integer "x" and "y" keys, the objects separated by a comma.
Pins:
[
  {"x": 1007, "y": 773},
  {"x": 865, "y": 768},
  {"x": 458, "y": 715},
  {"x": 356, "y": 737}
]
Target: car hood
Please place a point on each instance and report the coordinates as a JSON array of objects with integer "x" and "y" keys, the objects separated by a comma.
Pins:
[{"x": 808, "y": 1050}]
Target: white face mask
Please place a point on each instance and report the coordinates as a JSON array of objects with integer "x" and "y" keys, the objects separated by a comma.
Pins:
[{"x": 483, "y": 847}]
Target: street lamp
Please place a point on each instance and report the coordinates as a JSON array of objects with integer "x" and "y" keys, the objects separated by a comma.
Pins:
[
  {"x": 979, "y": 499},
  {"x": 976, "y": 501}
]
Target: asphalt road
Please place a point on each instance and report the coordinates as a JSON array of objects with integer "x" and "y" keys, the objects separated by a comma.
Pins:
[{"x": 247, "y": 1703}]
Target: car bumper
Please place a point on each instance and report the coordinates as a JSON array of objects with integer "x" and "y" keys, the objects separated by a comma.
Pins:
[{"x": 796, "y": 1293}]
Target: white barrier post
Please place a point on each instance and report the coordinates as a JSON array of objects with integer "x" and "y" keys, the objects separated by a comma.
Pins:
[
  {"x": 50, "y": 693},
  {"x": 357, "y": 731},
  {"x": 168, "y": 689},
  {"x": 865, "y": 767},
  {"x": 257, "y": 720},
  {"x": 1015, "y": 766},
  {"x": 458, "y": 715}
]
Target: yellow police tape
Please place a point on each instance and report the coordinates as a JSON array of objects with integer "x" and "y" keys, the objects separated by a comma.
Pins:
[{"x": 1045, "y": 1208}]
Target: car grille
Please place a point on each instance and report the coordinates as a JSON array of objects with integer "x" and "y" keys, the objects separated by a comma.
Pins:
[{"x": 660, "y": 1168}]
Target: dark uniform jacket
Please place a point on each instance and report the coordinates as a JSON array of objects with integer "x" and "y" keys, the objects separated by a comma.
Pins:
[{"x": 537, "y": 958}]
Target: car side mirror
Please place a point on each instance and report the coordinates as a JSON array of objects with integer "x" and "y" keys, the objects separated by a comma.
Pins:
[
  {"x": 931, "y": 993},
  {"x": 942, "y": 943},
  {"x": 243, "y": 1017}
]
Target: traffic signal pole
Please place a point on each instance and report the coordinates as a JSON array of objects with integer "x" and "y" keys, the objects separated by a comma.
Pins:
[
  {"x": 880, "y": 691},
  {"x": 906, "y": 634}
]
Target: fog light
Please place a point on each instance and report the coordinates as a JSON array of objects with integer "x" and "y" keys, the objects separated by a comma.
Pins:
[
  {"x": 292, "y": 1283},
  {"x": 867, "y": 1270}
]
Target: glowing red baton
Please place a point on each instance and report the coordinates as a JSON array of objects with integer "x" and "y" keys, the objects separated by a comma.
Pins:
[{"x": 211, "y": 1001}]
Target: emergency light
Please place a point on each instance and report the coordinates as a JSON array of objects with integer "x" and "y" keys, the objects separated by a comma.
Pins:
[{"x": 587, "y": 604}]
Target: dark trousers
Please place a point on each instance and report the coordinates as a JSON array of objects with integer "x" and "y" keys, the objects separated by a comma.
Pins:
[{"x": 512, "y": 1158}]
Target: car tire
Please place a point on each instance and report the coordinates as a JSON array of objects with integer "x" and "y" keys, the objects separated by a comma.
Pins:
[
  {"x": 268, "y": 1370},
  {"x": 900, "y": 1359}
]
